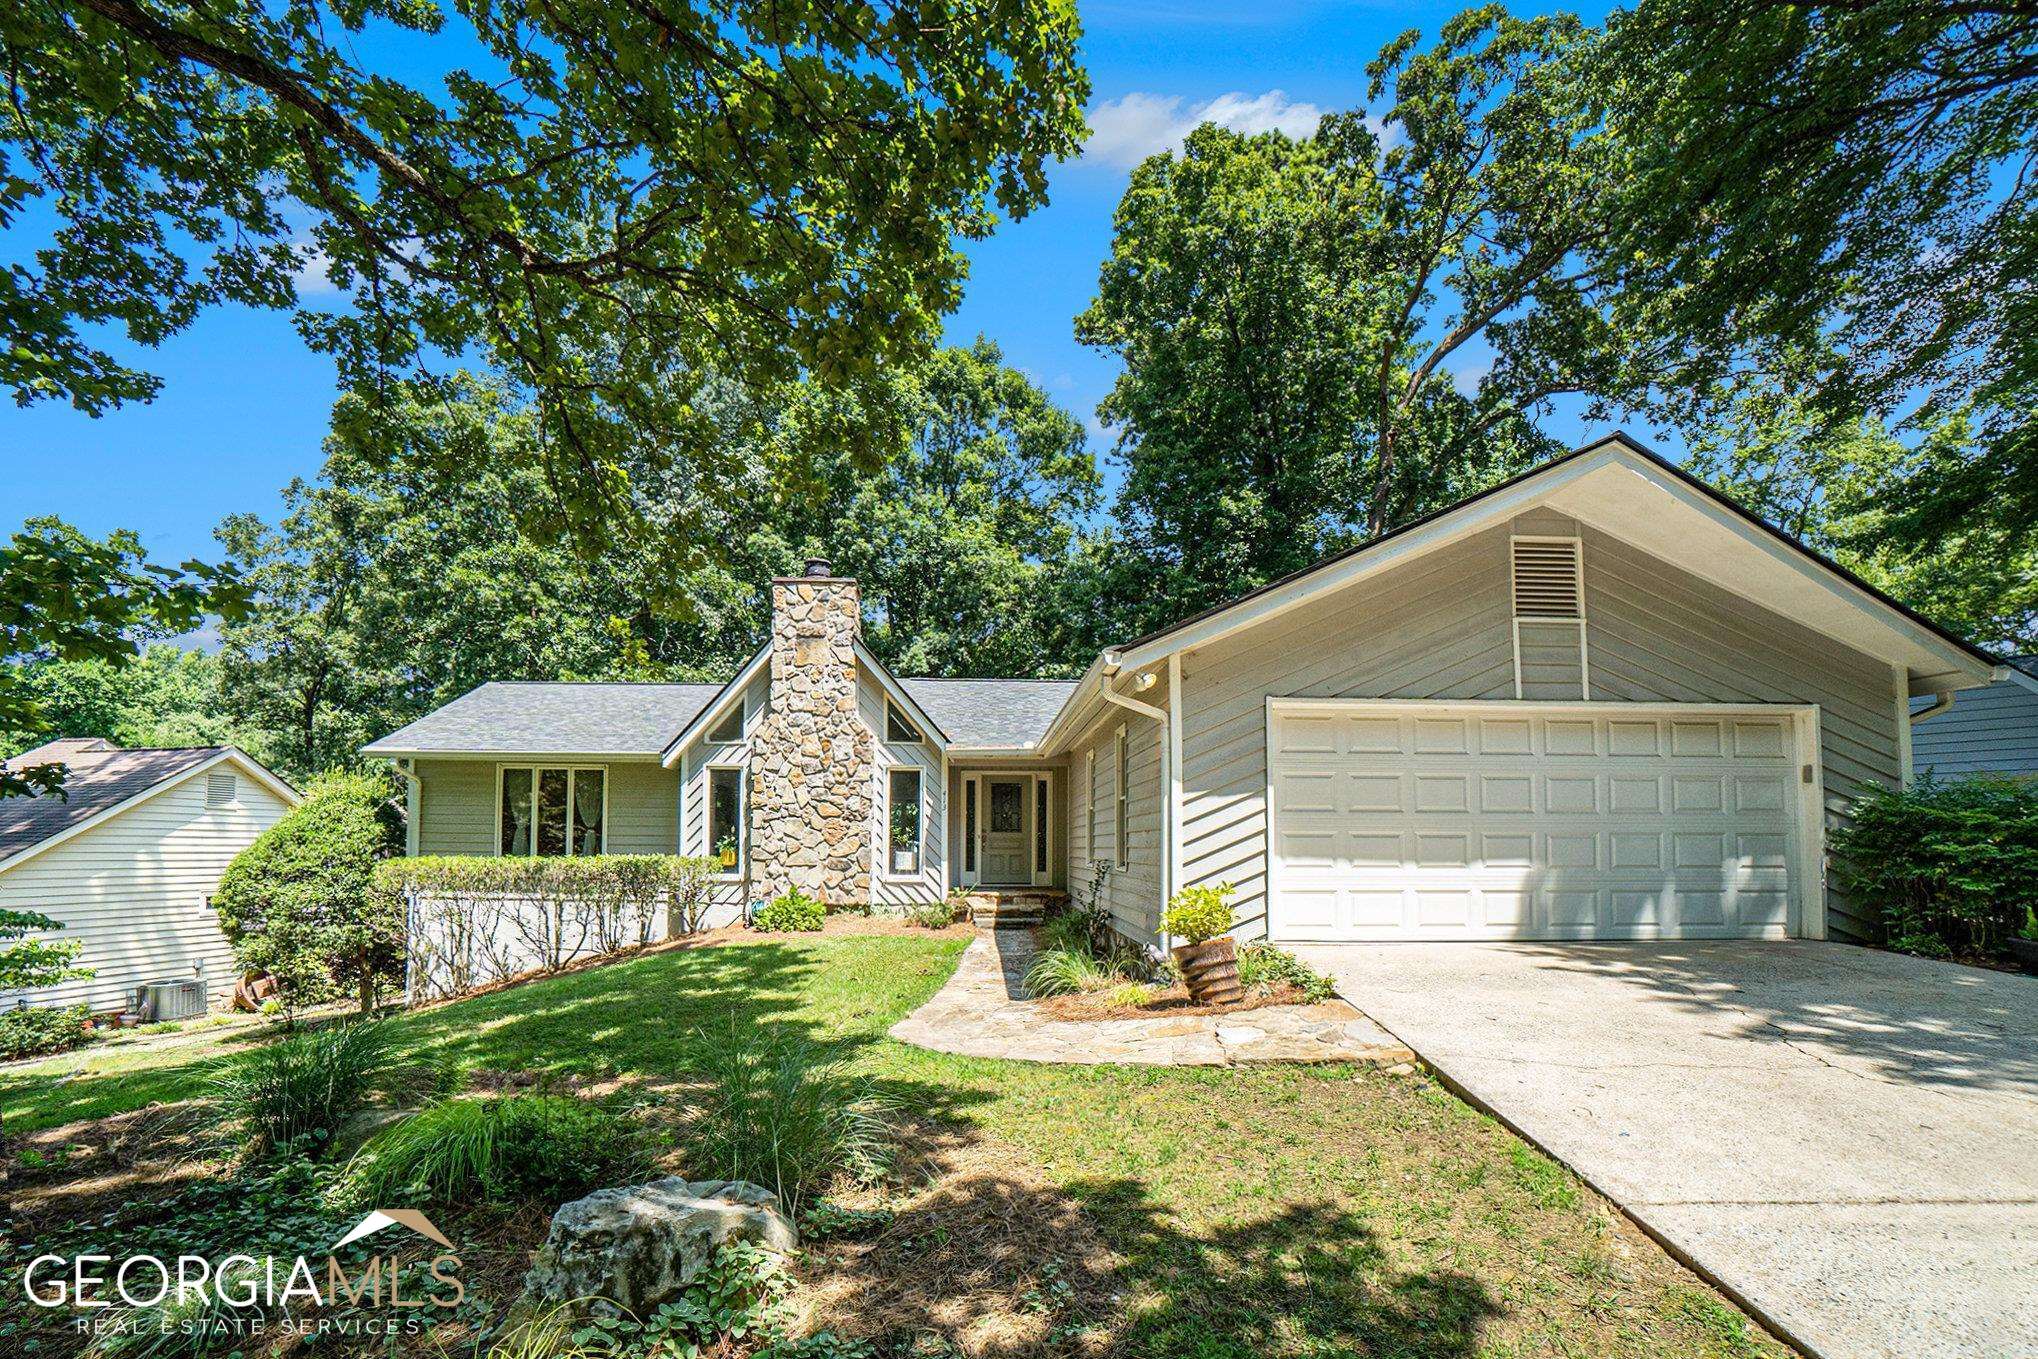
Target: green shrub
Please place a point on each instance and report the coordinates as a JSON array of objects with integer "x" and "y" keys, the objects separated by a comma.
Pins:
[
  {"x": 932, "y": 915},
  {"x": 1262, "y": 967},
  {"x": 299, "y": 1089},
  {"x": 794, "y": 911},
  {"x": 298, "y": 904},
  {"x": 1198, "y": 914},
  {"x": 518, "y": 1149},
  {"x": 1070, "y": 932},
  {"x": 1952, "y": 862},
  {"x": 1131, "y": 995},
  {"x": 35, "y": 1030},
  {"x": 781, "y": 1113}
]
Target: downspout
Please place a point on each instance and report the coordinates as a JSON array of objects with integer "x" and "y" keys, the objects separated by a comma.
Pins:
[
  {"x": 1939, "y": 704},
  {"x": 1160, "y": 715}
]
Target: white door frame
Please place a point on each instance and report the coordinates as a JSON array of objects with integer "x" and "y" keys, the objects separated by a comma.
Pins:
[
  {"x": 1035, "y": 780},
  {"x": 1807, "y": 919}
]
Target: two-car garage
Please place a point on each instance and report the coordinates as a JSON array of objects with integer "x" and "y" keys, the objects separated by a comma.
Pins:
[{"x": 1393, "y": 820}]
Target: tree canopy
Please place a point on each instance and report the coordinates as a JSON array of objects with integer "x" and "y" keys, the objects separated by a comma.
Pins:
[{"x": 606, "y": 203}]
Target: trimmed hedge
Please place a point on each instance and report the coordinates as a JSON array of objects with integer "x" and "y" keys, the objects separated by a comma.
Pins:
[
  {"x": 1951, "y": 866},
  {"x": 475, "y": 919},
  {"x": 36, "y": 1030}
]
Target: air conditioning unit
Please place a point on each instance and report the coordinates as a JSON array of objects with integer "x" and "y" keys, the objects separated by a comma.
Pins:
[{"x": 170, "y": 999}]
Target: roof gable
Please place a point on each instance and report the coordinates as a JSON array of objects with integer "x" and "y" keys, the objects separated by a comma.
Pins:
[
  {"x": 1622, "y": 489},
  {"x": 103, "y": 779}
]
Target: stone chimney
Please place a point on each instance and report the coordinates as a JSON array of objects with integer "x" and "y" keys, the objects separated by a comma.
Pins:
[{"x": 812, "y": 758}]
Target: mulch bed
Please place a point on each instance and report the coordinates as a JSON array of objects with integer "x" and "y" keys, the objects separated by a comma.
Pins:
[{"x": 1169, "y": 1003}]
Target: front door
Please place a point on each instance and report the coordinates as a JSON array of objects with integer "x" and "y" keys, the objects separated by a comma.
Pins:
[{"x": 1007, "y": 838}]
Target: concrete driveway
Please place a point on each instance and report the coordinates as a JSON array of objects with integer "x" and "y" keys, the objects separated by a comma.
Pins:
[{"x": 1846, "y": 1140}]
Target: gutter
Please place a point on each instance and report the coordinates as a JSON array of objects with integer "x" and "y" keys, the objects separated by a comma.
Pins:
[{"x": 1939, "y": 704}]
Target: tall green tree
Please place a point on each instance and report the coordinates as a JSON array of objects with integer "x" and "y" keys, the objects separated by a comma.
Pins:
[
  {"x": 1324, "y": 338},
  {"x": 605, "y": 202},
  {"x": 1850, "y": 181},
  {"x": 71, "y": 598},
  {"x": 167, "y": 696}
]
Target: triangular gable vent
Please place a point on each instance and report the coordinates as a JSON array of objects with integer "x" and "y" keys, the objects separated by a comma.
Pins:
[{"x": 1547, "y": 579}]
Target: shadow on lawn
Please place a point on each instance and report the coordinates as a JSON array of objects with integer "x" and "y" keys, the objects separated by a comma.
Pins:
[{"x": 995, "y": 1263}]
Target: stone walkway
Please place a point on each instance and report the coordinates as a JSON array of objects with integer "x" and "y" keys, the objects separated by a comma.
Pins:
[{"x": 982, "y": 1012}]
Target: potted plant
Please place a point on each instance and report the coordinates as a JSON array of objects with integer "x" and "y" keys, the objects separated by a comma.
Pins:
[
  {"x": 726, "y": 852},
  {"x": 2024, "y": 943},
  {"x": 1207, "y": 957}
]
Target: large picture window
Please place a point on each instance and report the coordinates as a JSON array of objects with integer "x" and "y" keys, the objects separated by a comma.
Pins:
[
  {"x": 725, "y": 817},
  {"x": 553, "y": 810},
  {"x": 904, "y": 820}
]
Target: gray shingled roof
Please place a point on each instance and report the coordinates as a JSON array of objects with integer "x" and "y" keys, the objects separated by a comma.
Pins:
[
  {"x": 100, "y": 776},
  {"x": 991, "y": 712},
  {"x": 539, "y": 718}
]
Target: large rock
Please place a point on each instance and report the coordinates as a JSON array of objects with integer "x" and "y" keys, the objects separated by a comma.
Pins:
[{"x": 639, "y": 1246}]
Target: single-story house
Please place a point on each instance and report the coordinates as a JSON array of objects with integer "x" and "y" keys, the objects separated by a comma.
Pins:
[
  {"x": 1989, "y": 731},
  {"x": 1597, "y": 701},
  {"x": 127, "y": 859}
]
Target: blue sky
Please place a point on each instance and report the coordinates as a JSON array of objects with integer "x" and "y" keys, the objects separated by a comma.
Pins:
[{"x": 244, "y": 404}]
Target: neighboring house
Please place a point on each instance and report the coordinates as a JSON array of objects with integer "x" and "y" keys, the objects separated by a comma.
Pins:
[
  {"x": 127, "y": 859},
  {"x": 1598, "y": 701},
  {"x": 1988, "y": 731}
]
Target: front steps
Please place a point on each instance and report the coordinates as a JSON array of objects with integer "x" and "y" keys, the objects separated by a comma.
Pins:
[{"x": 1001, "y": 908}]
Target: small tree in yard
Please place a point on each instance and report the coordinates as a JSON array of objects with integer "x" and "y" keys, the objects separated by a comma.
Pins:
[
  {"x": 29, "y": 964},
  {"x": 297, "y": 902}
]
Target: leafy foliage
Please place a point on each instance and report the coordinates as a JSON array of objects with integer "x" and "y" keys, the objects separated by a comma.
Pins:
[
  {"x": 33, "y": 1030},
  {"x": 166, "y": 696},
  {"x": 932, "y": 915},
  {"x": 67, "y": 597},
  {"x": 1842, "y": 186},
  {"x": 779, "y": 1112},
  {"x": 296, "y": 1092},
  {"x": 296, "y": 903},
  {"x": 1262, "y": 967},
  {"x": 517, "y": 1149},
  {"x": 29, "y": 964},
  {"x": 612, "y": 207},
  {"x": 793, "y": 910},
  {"x": 1949, "y": 865},
  {"x": 1198, "y": 914},
  {"x": 1068, "y": 971}
]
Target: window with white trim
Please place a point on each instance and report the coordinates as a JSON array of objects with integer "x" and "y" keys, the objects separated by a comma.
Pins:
[
  {"x": 898, "y": 727},
  {"x": 1123, "y": 810},
  {"x": 726, "y": 796},
  {"x": 555, "y": 810},
  {"x": 905, "y": 822},
  {"x": 1040, "y": 824},
  {"x": 728, "y": 728},
  {"x": 969, "y": 825}
]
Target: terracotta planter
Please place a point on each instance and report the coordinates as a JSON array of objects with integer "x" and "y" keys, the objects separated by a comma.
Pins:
[
  {"x": 2025, "y": 951},
  {"x": 1211, "y": 971}
]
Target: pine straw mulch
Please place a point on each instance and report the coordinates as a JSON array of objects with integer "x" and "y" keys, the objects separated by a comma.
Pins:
[
  {"x": 982, "y": 1256},
  {"x": 1171, "y": 1002}
]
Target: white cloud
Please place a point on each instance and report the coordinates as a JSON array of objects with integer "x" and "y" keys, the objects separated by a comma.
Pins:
[
  {"x": 311, "y": 276},
  {"x": 1125, "y": 131}
]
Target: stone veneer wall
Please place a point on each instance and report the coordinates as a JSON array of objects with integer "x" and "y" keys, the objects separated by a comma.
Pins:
[{"x": 812, "y": 759}]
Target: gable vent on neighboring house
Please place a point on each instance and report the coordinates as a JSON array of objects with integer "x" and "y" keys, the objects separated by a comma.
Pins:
[
  {"x": 219, "y": 789},
  {"x": 1549, "y": 618}
]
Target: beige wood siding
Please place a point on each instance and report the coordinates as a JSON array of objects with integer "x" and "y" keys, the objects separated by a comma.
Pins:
[
  {"x": 136, "y": 889},
  {"x": 1440, "y": 627},
  {"x": 1132, "y": 893},
  {"x": 931, "y": 883}
]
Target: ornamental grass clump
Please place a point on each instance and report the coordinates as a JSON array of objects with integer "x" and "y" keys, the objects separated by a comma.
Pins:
[
  {"x": 517, "y": 1149},
  {"x": 781, "y": 1112},
  {"x": 296, "y": 1091}
]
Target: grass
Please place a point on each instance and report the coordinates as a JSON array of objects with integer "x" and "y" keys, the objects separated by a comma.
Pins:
[{"x": 1288, "y": 1212}]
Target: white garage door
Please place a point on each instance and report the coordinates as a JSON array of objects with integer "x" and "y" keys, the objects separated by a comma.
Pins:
[{"x": 1437, "y": 822}]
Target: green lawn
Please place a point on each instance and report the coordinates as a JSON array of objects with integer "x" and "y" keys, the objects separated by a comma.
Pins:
[{"x": 1273, "y": 1211}]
